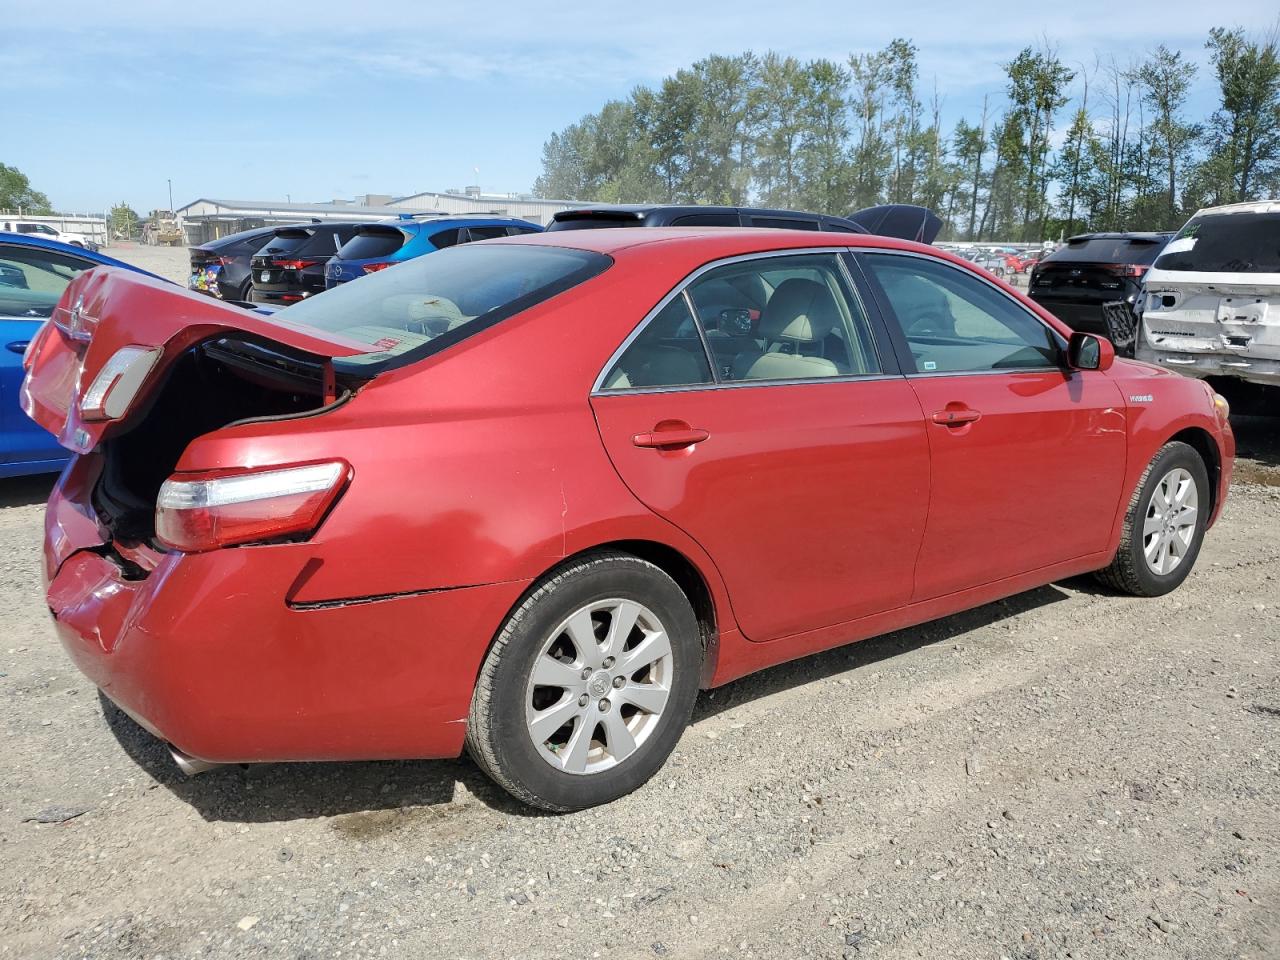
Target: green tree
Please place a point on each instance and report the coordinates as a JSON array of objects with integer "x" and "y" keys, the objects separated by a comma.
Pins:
[
  {"x": 872, "y": 151},
  {"x": 780, "y": 98},
  {"x": 826, "y": 183},
  {"x": 16, "y": 193},
  {"x": 123, "y": 221},
  {"x": 1244, "y": 132},
  {"x": 1037, "y": 91}
]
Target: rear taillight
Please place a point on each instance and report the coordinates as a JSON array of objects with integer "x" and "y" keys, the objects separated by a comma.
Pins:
[
  {"x": 296, "y": 264},
  {"x": 225, "y": 261},
  {"x": 198, "y": 512},
  {"x": 375, "y": 267},
  {"x": 117, "y": 383},
  {"x": 1127, "y": 269}
]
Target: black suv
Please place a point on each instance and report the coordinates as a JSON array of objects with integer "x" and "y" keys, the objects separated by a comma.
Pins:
[
  {"x": 888, "y": 220},
  {"x": 1092, "y": 274},
  {"x": 220, "y": 267},
  {"x": 290, "y": 266}
]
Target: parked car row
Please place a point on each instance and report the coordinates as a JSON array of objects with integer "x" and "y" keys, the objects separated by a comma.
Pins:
[{"x": 46, "y": 231}]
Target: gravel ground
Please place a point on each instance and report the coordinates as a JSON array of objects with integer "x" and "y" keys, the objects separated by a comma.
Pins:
[{"x": 1067, "y": 773}]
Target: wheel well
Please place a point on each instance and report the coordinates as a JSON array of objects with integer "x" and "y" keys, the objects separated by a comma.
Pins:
[
  {"x": 680, "y": 569},
  {"x": 1202, "y": 443}
]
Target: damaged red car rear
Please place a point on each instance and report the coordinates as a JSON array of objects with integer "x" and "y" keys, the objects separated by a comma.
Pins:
[{"x": 528, "y": 496}]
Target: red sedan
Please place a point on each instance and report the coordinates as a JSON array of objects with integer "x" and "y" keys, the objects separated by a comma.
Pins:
[{"x": 528, "y": 496}]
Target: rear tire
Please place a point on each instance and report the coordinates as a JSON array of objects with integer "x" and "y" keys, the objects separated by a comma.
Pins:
[
  {"x": 1163, "y": 525},
  {"x": 588, "y": 686}
]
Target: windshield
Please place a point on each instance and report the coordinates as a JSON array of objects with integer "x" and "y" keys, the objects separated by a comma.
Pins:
[
  {"x": 421, "y": 306},
  {"x": 1226, "y": 243}
]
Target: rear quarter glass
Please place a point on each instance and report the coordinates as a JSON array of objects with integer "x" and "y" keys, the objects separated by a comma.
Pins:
[{"x": 429, "y": 303}]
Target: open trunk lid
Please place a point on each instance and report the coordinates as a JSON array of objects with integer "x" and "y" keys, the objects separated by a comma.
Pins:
[{"x": 106, "y": 310}]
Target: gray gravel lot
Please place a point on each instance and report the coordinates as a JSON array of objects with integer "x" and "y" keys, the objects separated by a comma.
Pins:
[{"x": 1067, "y": 773}]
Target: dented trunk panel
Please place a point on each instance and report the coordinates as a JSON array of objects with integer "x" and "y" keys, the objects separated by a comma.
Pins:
[{"x": 128, "y": 309}]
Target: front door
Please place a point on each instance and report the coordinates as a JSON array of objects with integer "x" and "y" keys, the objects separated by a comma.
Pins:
[
  {"x": 753, "y": 411},
  {"x": 1027, "y": 456}
]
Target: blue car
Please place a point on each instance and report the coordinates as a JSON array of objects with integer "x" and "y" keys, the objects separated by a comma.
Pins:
[
  {"x": 33, "y": 274},
  {"x": 377, "y": 246}
]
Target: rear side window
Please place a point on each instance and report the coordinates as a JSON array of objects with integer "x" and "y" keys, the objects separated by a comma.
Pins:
[
  {"x": 667, "y": 353},
  {"x": 423, "y": 305},
  {"x": 371, "y": 242},
  {"x": 484, "y": 233},
  {"x": 1226, "y": 243},
  {"x": 784, "y": 223},
  {"x": 520, "y": 231},
  {"x": 1141, "y": 251},
  {"x": 594, "y": 222},
  {"x": 707, "y": 220},
  {"x": 445, "y": 238}
]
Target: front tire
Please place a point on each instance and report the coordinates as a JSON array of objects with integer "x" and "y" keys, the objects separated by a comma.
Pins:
[
  {"x": 589, "y": 684},
  {"x": 1163, "y": 525}
]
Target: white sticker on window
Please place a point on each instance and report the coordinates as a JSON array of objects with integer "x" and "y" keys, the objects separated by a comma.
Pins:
[
  {"x": 1181, "y": 245},
  {"x": 930, "y": 365}
]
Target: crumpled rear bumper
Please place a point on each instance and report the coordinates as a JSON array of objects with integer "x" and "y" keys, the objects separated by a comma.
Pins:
[
  {"x": 206, "y": 652},
  {"x": 1211, "y": 363}
]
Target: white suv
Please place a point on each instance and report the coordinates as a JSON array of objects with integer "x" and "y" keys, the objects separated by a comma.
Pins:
[
  {"x": 48, "y": 232},
  {"x": 1212, "y": 298}
]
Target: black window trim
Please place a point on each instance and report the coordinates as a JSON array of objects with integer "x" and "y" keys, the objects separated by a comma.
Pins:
[
  {"x": 888, "y": 360},
  {"x": 897, "y": 334}
]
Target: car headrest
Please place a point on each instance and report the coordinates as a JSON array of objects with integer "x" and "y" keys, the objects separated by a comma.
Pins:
[{"x": 799, "y": 309}]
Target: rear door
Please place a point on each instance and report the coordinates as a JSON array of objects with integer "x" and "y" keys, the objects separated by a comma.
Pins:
[
  {"x": 1027, "y": 457},
  {"x": 782, "y": 439}
]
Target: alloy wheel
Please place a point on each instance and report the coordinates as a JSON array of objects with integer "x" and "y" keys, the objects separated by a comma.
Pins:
[
  {"x": 1169, "y": 528},
  {"x": 598, "y": 686}
]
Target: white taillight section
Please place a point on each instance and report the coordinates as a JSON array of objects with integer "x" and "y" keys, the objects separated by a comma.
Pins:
[
  {"x": 117, "y": 383},
  {"x": 209, "y": 511}
]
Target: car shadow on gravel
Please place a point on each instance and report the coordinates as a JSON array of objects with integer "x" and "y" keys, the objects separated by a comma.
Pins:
[
  {"x": 374, "y": 798},
  {"x": 26, "y": 491},
  {"x": 869, "y": 652},
  {"x": 367, "y": 798}
]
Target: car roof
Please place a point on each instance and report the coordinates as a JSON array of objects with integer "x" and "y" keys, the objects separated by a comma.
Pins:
[
  {"x": 1255, "y": 206},
  {"x": 422, "y": 223},
  {"x": 672, "y": 210},
  {"x": 713, "y": 242},
  {"x": 39, "y": 243}
]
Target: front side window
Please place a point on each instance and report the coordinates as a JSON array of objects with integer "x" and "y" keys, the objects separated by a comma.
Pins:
[
  {"x": 424, "y": 305},
  {"x": 954, "y": 322},
  {"x": 32, "y": 281},
  {"x": 761, "y": 319}
]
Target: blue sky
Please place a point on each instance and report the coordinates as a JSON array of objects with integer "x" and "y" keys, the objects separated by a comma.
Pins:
[{"x": 104, "y": 101}]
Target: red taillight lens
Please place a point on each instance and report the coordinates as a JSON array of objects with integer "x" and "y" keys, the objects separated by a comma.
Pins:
[
  {"x": 1127, "y": 269},
  {"x": 207, "y": 511},
  {"x": 375, "y": 267},
  {"x": 295, "y": 264},
  {"x": 224, "y": 261}
]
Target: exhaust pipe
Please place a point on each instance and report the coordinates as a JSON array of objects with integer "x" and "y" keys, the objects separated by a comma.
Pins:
[{"x": 189, "y": 764}]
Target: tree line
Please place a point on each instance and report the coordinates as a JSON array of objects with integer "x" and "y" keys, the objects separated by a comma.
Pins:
[{"x": 1066, "y": 148}]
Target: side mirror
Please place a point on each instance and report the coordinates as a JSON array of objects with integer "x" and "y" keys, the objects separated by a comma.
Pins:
[{"x": 1088, "y": 351}]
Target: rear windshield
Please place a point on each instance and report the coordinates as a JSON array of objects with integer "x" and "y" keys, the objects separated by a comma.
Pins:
[
  {"x": 370, "y": 242},
  {"x": 423, "y": 305},
  {"x": 284, "y": 241},
  {"x": 1137, "y": 250},
  {"x": 1226, "y": 243},
  {"x": 326, "y": 240}
]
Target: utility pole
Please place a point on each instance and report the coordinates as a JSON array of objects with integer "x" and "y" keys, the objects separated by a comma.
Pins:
[{"x": 171, "y": 210}]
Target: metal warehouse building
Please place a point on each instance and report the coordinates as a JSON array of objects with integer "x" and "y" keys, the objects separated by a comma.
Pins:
[{"x": 208, "y": 219}]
